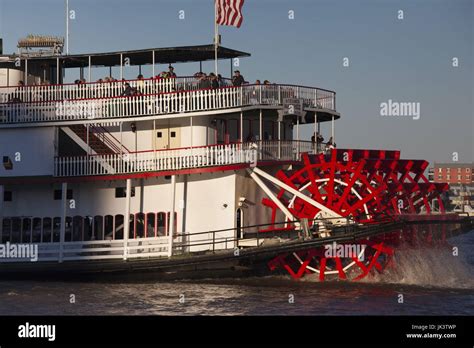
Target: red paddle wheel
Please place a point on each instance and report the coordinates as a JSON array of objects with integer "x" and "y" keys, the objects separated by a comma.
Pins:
[{"x": 355, "y": 186}]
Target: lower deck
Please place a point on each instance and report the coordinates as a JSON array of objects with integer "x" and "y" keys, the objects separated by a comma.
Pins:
[{"x": 95, "y": 220}]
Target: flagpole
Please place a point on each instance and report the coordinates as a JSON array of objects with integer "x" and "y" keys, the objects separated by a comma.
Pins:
[
  {"x": 216, "y": 37},
  {"x": 67, "y": 27}
]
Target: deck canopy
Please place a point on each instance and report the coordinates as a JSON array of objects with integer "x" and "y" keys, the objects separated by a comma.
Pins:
[{"x": 165, "y": 55}]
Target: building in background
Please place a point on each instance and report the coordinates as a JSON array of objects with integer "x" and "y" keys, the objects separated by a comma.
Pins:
[
  {"x": 460, "y": 177},
  {"x": 454, "y": 173}
]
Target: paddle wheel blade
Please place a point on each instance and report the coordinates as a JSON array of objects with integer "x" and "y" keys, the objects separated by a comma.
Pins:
[{"x": 348, "y": 186}]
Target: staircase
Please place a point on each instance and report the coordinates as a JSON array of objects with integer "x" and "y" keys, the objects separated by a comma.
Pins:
[{"x": 100, "y": 140}]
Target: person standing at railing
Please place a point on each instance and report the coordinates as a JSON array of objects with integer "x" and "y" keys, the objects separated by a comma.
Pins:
[
  {"x": 140, "y": 84},
  {"x": 18, "y": 94},
  {"x": 129, "y": 90},
  {"x": 237, "y": 80},
  {"x": 214, "y": 81},
  {"x": 171, "y": 73},
  {"x": 330, "y": 144},
  {"x": 318, "y": 139},
  {"x": 220, "y": 80},
  {"x": 204, "y": 82}
]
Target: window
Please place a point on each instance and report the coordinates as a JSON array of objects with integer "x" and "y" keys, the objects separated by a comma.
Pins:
[
  {"x": 150, "y": 225},
  {"x": 468, "y": 170},
  {"x": 161, "y": 224},
  {"x": 77, "y": 230},
  {"x": 7, "y": 163},
  {"x": 47, "y": 230},
  {"x": 98, "y": 228},
  {"x": 459, "y": 170},
  {"x": 16, "y": 231},
  {"x": 7, "y": 227},
  {"x": 26, "y": 230},
  {"x": 140, "y": 226},
  {"x": 448, "y": 177},
  {"x": 56, "y": 229},
  {"x": 439, "y": 170},
  {"x": 7, "y": 196},
  {"x": 121, "y": 192},
  {"x": 131, "y": 233},
  {"x": 173, "y": 134},
  {"x": 87, "y": 228},
  {"x": 109, "y": 227},
  {"x": 440, "y": 177},
  {"x": 68, "y": 229},
  {"x": 159, "y": 134},
  {"x": 59, "y": 193},
  {"x": 36, "y": 234},
  {"x": 459, "y": 177},
  {"x": 119, "y": 223}
]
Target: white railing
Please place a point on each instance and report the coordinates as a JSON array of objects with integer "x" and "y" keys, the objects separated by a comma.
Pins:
[
  {"x": 95, "y": 90},
  {"x": 185, "y": 158},
  {"x": 98, "y": 250},
  {"x": 190, "y": 100},
  {"x": 104, "y": 108}
]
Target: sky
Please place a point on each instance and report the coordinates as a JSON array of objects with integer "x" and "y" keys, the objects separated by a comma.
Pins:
[{"x": 402, "y": 60}]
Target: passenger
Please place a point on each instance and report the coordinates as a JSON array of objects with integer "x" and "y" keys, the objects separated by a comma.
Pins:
[
  {"x": 220, "y": 80},
  {"x": 266, "y": 82},
  {"x": 140, "y": 84},
  {"x": 330, "y": 144},
  {"x": 171, "y": 73},
  {"x": 237, "y": 80},
  {"x": 214, "y": 81},
  {"x": 18, "y": 94},
  {"x": 257, "y": 82},
  {"x": 319, "y": 138},
  {"x": 204, "y": 81},
  {"x": 129, "y": 90}
]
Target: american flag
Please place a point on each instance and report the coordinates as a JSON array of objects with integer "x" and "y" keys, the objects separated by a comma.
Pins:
[{"x": 229, "y": 12}]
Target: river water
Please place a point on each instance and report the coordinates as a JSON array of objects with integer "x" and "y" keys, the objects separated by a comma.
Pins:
[{"x": 424, "y": 282}]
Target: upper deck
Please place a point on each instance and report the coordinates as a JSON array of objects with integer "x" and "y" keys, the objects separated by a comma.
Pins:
[
  {"x": 157, "y": 96},
  {"x": 38, "y": 101}
]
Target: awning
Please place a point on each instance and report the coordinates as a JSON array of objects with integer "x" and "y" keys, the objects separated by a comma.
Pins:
[{"x": 166, "y": 55}]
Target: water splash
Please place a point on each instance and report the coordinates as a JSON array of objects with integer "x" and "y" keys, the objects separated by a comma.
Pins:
[{"x": 429, "y": 267}]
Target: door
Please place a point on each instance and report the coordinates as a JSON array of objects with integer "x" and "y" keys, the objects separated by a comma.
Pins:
[
  {"x": 168, "y": 138},
  {"x": 222, "y": 134}
]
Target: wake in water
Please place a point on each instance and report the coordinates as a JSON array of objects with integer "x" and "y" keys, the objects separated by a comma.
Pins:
[{"x": 430, "y": 267}]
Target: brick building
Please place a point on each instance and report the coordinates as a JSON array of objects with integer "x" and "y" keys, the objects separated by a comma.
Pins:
[{"x": 454, "y": 173}]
